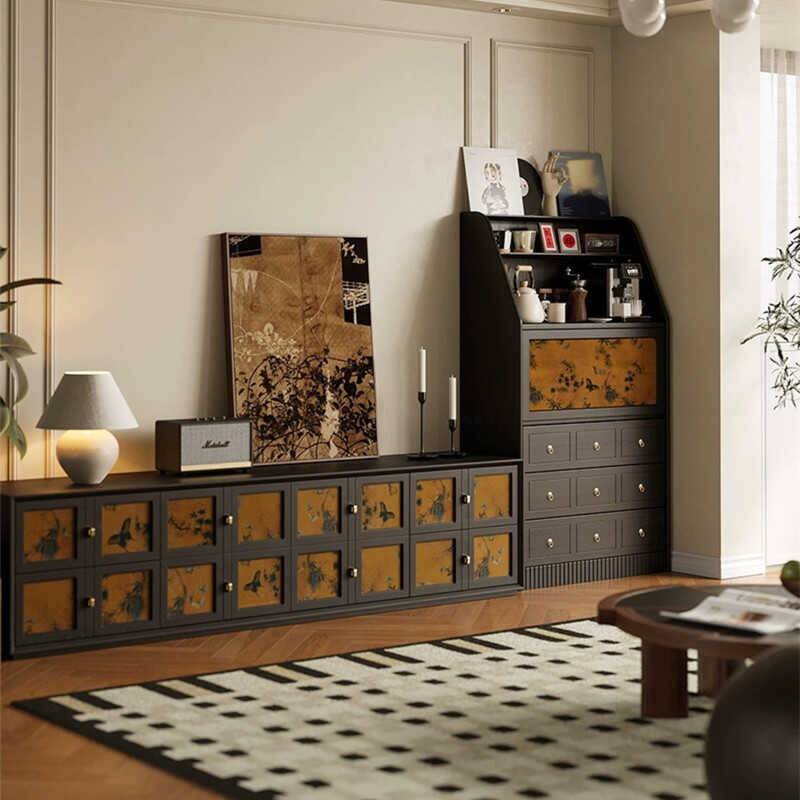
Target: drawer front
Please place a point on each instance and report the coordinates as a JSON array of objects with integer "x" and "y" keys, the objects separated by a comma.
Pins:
[
  {"x": 643, "y": 529},
  {"x": 642, "y": 441},
  {"x": 548, "y": 539},
  {"x": 642, "y": 485},
  {"x": 548, "y": 493},
  {"x": 548, "y": 448},
  {"x": 595, "y": 490},
  {"x": 595, "y": 534},
  {"x": 594, "y": 444}
]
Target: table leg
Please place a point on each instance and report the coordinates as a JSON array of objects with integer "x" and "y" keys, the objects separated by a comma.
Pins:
[
  {"x": 713, "y": 673},
  {"x": 664, "y": 690}
]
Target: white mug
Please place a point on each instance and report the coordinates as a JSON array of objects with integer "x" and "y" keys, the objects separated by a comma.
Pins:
[
  {"x": 557, "y": 312},
  {"x": 523, "y": 241}
]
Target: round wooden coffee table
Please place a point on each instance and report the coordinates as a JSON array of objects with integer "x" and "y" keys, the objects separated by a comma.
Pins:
[{"x": 665, "y": 642}]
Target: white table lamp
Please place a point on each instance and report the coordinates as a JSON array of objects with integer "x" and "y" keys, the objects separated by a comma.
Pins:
[{"x": 85, "y": 406}]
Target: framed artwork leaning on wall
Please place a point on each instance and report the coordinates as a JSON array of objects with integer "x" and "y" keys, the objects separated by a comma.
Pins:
[{"x": 300, "y": 357}]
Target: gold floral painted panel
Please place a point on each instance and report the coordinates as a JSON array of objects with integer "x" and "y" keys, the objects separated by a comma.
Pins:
[
  {"x": 318, "y": 511},
  {"x": 492, "y": 498},
  {"x": 190, "y": 522},
  {"x": 261, "y": 516},
  {"x": 592, "y": 373},
  {"x": 435, "y": 562},
  {"x": 260, "y": 582},
  {"x": 190, "y": 590},
  {"x": 49, "y": 535},
  {"x": 491, "y": 556},
  {"x": 435, "y": 504},
  {"x": 319, "y": 575},
  {"x": 127, "y": 528},
  {"x": 381, "y": 569},
  {"x": 126, "y": 597},
  {"x": 49, "y": 606},
  {"x": 381, "y": 506}
]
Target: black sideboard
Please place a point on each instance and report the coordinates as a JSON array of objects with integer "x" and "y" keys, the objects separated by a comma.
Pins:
[{"x": 147, "y": 556}]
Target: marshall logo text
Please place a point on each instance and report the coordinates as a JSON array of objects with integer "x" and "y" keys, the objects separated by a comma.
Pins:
[{"x": 211, "y": 444}]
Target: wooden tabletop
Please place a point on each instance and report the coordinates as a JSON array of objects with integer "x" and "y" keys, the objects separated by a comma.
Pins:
[{"x": 638, "y": 613}]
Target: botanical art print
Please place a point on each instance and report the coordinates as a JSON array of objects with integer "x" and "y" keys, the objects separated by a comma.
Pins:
[
  {"x": 49, "y": 534},
  {"x": 300, "y": 345}
]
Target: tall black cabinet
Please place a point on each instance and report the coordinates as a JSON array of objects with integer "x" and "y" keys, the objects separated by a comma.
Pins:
[{"x": 585, "y": 405}]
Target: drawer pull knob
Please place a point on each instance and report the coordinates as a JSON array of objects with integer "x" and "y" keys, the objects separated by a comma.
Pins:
[
  {"x": 549, "y": 449},
  {"x": 642, "y": 533},
  {"x": 596, "y": 491},
  {"x": 352, "y": 572},
  {"x": 228, "y": 519},
  {"x": 228, "y": 586},
  {"x": 596, "y": 446},
  {"x": 352, "y": 508},
  {"x": 466, "y": 499},
  {"x": 596, "y": 537},
  {"x": 91, "y": 602},
  {"x": 642, "y": 443},
  {"x": 550, "y": 543},
  {"x": 642, "y": 489},
  {"x": 550, "y": 497},
  {"x": 466, "y": 559},
  {"x": 91, "y": 531}
]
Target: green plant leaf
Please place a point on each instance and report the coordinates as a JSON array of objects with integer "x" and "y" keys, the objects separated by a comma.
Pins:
[
  {"x": 5, "y": 417},
  {"x": 7, "y": 287},
  {"x": 16, "y": 436},
  {"x": 20, "y": 378},
  {"x": 15, "y": 345}
]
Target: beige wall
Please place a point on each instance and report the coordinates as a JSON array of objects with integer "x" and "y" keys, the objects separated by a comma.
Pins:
[
  {"x": 686, "y": 152},
  {"x": 146, "y": 130}
]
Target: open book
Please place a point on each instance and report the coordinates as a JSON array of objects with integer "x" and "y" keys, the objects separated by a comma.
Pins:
[{"x": 757, "y": 612}]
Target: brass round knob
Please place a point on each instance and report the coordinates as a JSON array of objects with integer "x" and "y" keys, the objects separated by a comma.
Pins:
[
  {"x": 91, "y": 602},
  {"x": 466, "y": 558},
  {"x": 91, "y": 531},
  {"x": 228, "y": 519},
  {"x": 228, "y": 586},
  {"x": 642, "y": 489},
  {"x": 549, "y": 449},
  {"x": 352, "y": 572},
  {"x": 596, "y": 537},
  {"x": 642, "y": 443},
  {"x": 550, "y": 497},
  {"x": 596, "y": 491},
  {"x": 642, "y": 533},
  {"x": 550, "y": 543},
  {"x": 595, "y": 446}
]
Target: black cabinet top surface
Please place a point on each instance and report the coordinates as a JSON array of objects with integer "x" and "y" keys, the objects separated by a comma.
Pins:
[{"x": 123, "y": 482}]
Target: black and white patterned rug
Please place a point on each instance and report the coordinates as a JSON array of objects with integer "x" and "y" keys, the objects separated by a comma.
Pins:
[{"x": 550, "y": 711}]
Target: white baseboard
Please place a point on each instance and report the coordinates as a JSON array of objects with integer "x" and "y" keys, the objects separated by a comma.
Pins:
[{"x": 719, "y": 568}]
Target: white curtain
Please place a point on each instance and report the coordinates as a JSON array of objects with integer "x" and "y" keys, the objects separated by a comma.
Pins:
[{"x": 780, "y": 213}]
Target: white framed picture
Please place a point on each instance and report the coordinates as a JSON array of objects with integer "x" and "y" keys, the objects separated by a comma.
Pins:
[{"x": 493, "y": 181}]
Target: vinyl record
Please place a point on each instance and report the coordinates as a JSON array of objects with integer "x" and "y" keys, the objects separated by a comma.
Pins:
[{"x": 531, "y": 185}]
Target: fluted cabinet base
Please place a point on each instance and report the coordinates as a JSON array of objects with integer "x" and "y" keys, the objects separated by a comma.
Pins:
[{"x": 538, "y": 576}]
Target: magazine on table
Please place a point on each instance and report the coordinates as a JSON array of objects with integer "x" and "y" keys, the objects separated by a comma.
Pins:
[{"x": 757, "y": 612}]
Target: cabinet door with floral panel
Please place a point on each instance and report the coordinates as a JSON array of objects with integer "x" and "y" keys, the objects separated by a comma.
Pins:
[
  {"x": 52, "y": 607},
  {"x": 320, "y": 511},
  {"x": 192, "y": 522},
  {"x": 437, "y": 563},
  {"x": 493, "y": 496},
  {"x": 192, "y": 591},
  {"x": 321, "y": 576},
  {"x": 261, "y": 583},
  {"x": 260, "y": 516},
  {"x": 493, "y": 557},
  {"x": 51, "y": 534},
  {"x": 127, "y": 598},
  {"x": 382, "y": 502},
  {"x": 126, "y": 528},
  {"x": 383, "y": 568},
  {"x": 438, "y": 500}
]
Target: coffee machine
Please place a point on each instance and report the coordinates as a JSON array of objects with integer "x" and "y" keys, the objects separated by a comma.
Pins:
[{"x": 622, "y": 290}]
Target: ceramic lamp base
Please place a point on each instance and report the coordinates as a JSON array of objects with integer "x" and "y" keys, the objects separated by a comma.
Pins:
[{"x": 87, "y": 456}]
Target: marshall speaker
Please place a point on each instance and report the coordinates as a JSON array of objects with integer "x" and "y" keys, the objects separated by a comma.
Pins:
[{"x": 202, "y": 445}]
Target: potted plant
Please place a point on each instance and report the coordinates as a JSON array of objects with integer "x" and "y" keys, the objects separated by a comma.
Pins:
[
  {"x": 12, "y": 349},
  {"x": 779, "y": 326}
]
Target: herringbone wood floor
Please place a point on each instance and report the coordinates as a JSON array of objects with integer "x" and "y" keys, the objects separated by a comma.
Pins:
[{"x": 40, "y": 760}]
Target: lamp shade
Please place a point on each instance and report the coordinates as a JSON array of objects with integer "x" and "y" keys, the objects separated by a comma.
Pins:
[{"x": 87, "y": 401}]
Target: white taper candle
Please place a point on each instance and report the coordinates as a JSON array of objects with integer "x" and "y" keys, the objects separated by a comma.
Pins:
[
  {"x": 422, "y": 370},
  {"x": 453, "y": 404}
]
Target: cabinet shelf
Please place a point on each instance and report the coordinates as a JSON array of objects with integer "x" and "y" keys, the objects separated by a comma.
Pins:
[{"x": 595, "y": 256}]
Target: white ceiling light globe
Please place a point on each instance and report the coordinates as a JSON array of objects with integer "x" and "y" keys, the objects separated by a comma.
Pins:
[
  {"x": 733, "y": 16},
  {"x": 641, "y": 12},
  {"x": 644, "y": 29}
]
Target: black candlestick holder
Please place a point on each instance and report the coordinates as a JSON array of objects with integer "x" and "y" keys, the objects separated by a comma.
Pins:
[
  {"x": 421, "y": 454},
  {"x": 452, "y": 452}
]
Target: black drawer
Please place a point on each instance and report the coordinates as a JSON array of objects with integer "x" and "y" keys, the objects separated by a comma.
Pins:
[
  {"x": 642, "y": 441},
  {"x": 642, "y": 485},
  {"x": 595, "y": 534},
  {"x": 548, "y": 447},
  {"x": 643, "y": 529},
  {"x": 595, "y": 490},
  {"x": 595, "y": 444},
  {"x": 548, "y": 539},
  {"x": 548, "y": 494}
]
